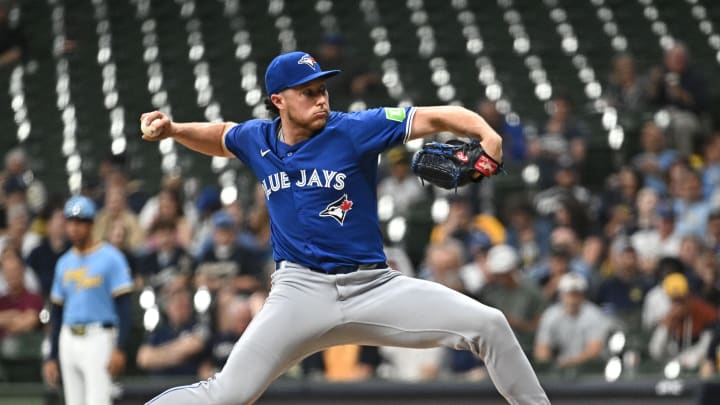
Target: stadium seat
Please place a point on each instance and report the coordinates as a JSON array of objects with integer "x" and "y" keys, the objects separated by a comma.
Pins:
[{"x": 503, "y": 25}]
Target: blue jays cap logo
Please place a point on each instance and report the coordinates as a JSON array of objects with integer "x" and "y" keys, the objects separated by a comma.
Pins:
[
  {"x": 286, "y": 71},
  {"x": 338, "y": 209},
  {"x": 307, "y": 60}
]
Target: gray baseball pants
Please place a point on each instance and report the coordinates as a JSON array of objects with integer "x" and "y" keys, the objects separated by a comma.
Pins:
[{"x": 308, "y": 311}]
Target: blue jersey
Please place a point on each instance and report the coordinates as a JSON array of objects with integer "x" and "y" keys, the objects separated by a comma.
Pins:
[
  {"x": 86, "y": 283},
  {"x": 322, "y": 192}
]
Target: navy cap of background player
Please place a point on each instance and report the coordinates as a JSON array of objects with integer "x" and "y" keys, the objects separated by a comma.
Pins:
[
  {"x": 666, "y": 212},
  {"x": 560, "y": 251},
  {"x": 479, "y": 242},
  {"x": 566, "y": 163},
  {"x": 293, "y": 69},
  {"x": 79, "y": 207},
  {"x": 15, "y": 184}
]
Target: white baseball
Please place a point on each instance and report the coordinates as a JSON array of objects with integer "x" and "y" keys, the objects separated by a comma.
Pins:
[{"x": 147, "y": 129}]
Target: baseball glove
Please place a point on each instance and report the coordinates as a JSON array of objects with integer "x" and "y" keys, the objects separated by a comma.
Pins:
[{"x": 453, "y": 164}]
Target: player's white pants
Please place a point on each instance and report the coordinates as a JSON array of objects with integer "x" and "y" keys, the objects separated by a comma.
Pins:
[
  {"x": 308, "y": 311},
  {"x": 83, "y": 364}
]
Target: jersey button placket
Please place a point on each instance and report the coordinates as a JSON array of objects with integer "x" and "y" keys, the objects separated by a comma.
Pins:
[
  {"x": 298, "y": 201},
  {"x": 294, "y": 175}
]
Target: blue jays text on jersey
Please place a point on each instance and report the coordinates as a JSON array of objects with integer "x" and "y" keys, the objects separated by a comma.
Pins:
[
  {"x": 85, "y": 284},
  {"x": 322, "y": 192},
  {"x": 316, "y": 178}
]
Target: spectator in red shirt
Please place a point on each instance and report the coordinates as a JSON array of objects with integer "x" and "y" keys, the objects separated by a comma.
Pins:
[{"x": 19, "y": 308}]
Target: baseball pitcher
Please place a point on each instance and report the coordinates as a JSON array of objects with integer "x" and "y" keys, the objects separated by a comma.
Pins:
[{"x": 332, "y": 285}]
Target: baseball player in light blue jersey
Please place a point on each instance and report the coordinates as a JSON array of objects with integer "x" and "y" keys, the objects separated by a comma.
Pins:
[
  {"x": 332, "y": 285},
  {"x": 90, "y": 315}
]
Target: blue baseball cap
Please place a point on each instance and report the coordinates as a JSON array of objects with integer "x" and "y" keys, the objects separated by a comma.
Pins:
[
  {"x": 293, "y": 69},
  {"x": 209, "y": 199},
  {"x": 222, "y": 219},
  {"x": 479, "y": 241},
  {"x": 79, "y": 207},
  {"x": 665, "y": 211}
]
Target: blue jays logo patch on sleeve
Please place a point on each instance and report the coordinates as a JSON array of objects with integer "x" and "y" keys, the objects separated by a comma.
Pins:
[
  {"x": 338, "y": 209},
  {"x": 307, "y": 60}
]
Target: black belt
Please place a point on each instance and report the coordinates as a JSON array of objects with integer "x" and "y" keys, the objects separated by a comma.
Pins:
[
  {"x": 344, "y": 269},
  {"x": 81, "y": 329}
]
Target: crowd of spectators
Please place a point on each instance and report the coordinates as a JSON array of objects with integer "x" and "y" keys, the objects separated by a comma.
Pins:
[{"x": 569, "y": 265}]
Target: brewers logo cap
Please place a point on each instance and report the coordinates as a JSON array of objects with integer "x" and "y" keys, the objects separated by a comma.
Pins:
[
  {"x": 79, "y": 207},
  {"x": 293, "y": 69}
]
